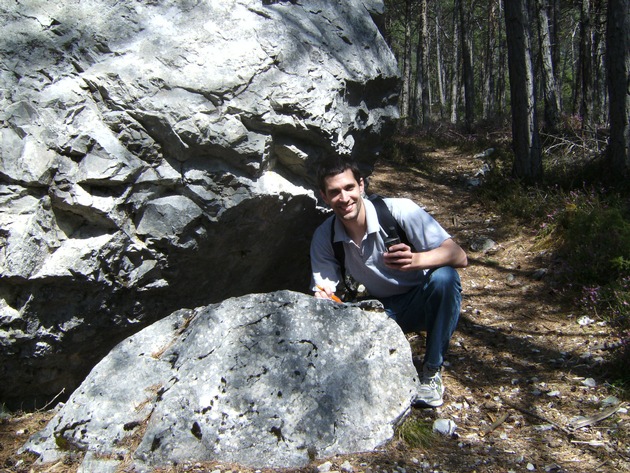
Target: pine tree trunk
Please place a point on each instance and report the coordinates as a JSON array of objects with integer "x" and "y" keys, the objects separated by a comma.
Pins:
[
  {"x": 576, "y": 85},
  {"x": 501, "y": 73},
  {"x": 618, "y": 60},
  {"x": 419, "y": 83},
  {"x": 550, "y": 90},
  {"x": 600, "y": 92},
  {"x": 439, "y": 66},
  {"x": 456, "y": 55},
  {"x": 467, "y": 69},
  {"x": 586, "y": 61},
  {"x": 526, "y": 141},
  {"x": 422, "y": 105},
  {"x": 554, "y": 34},
  {"x": 490, "y": 69},
  {"x": 405, "y": 93}
]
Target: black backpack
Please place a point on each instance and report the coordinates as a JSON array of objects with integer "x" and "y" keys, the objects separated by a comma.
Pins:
[{"x": 385, "y": 219}]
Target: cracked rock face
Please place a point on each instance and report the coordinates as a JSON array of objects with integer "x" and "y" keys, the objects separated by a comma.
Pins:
[
  {"x": 160, "y": 155},
  {"x": 263, "y": 380}
]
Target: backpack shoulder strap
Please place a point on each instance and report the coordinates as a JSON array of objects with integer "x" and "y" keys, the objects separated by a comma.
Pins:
[
  {"x": 340, "y": 254},
  {"x": 387, "y": 220}
]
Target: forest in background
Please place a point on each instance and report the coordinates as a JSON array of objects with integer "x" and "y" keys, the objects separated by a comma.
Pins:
[
  {"x": 549, "y": 65},
  {"x": 553, "y": 76}
]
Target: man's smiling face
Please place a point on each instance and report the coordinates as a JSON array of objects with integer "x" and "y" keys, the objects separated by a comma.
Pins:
[{"x": 343, "y": 194}]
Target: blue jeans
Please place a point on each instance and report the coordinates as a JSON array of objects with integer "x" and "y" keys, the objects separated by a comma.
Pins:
[{"x": 432, "y": 306}]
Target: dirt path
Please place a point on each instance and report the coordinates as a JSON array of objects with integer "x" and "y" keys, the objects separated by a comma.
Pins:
[{"x": 522, "y": 369}]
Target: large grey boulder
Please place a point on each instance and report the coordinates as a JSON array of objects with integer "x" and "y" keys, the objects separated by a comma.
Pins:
[
  {"x": 263, "y": 380},
  {"x": 160, "y": 155}
]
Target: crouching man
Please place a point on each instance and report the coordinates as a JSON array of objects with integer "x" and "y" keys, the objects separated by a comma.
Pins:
[{"x": 415, "y": 279}]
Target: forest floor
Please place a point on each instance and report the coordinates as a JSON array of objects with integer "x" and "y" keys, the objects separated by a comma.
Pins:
[
  {"x": 525, "y": 365},
  {"x": 524, "y": 383}
]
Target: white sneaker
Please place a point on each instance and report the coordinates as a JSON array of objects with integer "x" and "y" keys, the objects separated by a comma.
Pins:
[{"x": 430, "y": 391}]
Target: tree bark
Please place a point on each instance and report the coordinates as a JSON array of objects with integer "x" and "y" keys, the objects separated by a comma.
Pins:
[
  {"x": 490, "y": 66},
  {"x": 405, "y": 94},
  {"x": 600, "y": 92},
  {"x": 439, "y": 65},
  {"x": 526, "y": 141},
  {"x": 618, "y": 60},
  {"x": 586, "y": 61},
  {"x": 422, "y": 105},
  {"x": 550, "y": 89},
  {"x": 501, "y": 72},
  {"x": 554, "y": 34},
  {"x": 456, "y": 56},
  {"x": 467, "y": 68}
]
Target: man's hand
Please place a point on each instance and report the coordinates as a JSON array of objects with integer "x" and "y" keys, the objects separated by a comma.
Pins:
[
  {"x": 448, "y": 253},
  {"x": 399, "y": 257},
  {"x": 325, "y": 293}
]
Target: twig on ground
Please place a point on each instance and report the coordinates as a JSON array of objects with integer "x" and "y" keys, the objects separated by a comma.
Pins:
[
  {"x": 594, "y": 418},
  {"x": 51, "y": 401},
  {"x": 590, "y": 443},
  {"x": 496, "y": 424},
  {"x": 537, "y": 416}
]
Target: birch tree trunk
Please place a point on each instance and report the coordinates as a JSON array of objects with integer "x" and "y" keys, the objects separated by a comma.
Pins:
[{"x": 526, "y": 141}]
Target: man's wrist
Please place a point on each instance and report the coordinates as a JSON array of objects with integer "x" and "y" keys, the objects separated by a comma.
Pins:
[{"x": 416, "y": 260}]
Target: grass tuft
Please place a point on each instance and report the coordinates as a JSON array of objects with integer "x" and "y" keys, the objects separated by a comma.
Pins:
[{"x": 416, "y": 433}]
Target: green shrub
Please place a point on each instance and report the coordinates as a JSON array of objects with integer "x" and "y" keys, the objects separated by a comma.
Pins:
[
  {"x": 596, "y": 244},
  {"x": 588, "y": 233}
]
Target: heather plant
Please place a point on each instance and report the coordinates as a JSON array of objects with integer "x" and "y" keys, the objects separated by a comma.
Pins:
[
  {"x": 583, "y": 220},
  {"x": 595, "y": 242},
  {"x": 590, "y": 235}
]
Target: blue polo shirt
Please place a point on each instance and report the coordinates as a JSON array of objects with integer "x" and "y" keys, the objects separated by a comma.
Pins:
[{"x": 365, "y": 262}]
